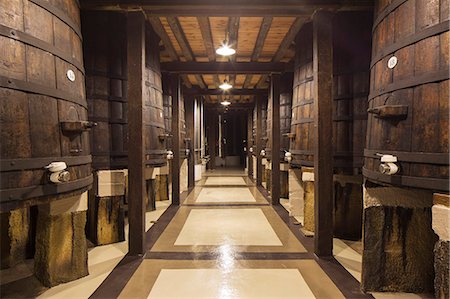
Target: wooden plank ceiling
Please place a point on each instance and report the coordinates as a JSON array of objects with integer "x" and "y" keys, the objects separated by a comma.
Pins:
[
  {"x": 255, "y": 39},
  {"x": 262, "y": 31}
]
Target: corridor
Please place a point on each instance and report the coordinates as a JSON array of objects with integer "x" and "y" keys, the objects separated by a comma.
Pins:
[{"x": 226, "y": 241}]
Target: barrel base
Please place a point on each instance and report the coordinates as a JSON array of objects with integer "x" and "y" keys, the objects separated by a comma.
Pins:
[
  {"x": 106, "y": 220},
  {"x": 162, "y": 187},
  {"x": 15, "y": 237},
  {"x": 441, "y": 221},
  {"x": 348, "y": 206},
  {"x": 395, "y": 259},
  {"x": 61, "y": 249}
]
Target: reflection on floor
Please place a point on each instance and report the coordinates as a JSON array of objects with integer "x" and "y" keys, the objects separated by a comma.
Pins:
[
  {"x": 224, "y": 241},
  {"x": 101, "y": 261}
]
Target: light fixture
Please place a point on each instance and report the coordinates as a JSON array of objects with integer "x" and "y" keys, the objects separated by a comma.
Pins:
[
  {"x": 225, "y": 103},
  {"x": 225, "y": 49},
  {"x": 225, "y": 85}
]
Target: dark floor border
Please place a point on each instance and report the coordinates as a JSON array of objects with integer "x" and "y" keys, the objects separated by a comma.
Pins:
[
  {"x": 237, "y": 256},
  {"x": 224, "y": 204},
  {"x": 225, "y": 186},
  {"x": 116, "y": 281}
]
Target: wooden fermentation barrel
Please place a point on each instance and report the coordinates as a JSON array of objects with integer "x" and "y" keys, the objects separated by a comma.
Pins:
[
  {"x": 351, "y": 48},
  {"x": 167, "y": 99},
  {"x": 263, "y": 124},
  {"x": 43, "y": 109},
  {"x": 285, "y": 117},
  {"x": 105, "y": 56},
  {"x": 409, "y": 94},
  {"x": 106, "y": 85}
]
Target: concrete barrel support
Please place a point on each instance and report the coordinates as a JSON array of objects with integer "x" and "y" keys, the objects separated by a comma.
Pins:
[
  {"x": 308, "y": 187},
  {"x": 296, "y": 193},
  {"x": 15, "y": 237},
  {"x": 61, "y": 250},
  {"x": 441, "y": 226},
  {"x": 184, "y": 176},
  {"x": 105, "y": 223},
  {"x": 398, "y": 240},
  {"x": 162, "y": 180}
]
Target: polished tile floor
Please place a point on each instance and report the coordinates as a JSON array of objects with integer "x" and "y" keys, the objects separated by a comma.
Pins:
[{"x": 226, "y": 241}]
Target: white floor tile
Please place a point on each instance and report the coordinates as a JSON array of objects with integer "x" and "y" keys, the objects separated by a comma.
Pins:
[
  {"x": 227, "y": 226},
  {"x": 218, "y": 195},
  {"x": 237, "y": 283}
]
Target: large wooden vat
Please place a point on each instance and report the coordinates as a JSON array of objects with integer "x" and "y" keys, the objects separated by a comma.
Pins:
[
  {"x": 264, "y": 137},
  {"x": 106, "y": 84},
  {"x": 167, "y": 99},
  {"x": 351, "y": 48},
  {"x": 43, "y": 110},
  {"x": 409, "y": 100},
  {"x": 302, "y": 122},
  {"x": 105, "y": 56},
  {"x": 285, "y": 117}
]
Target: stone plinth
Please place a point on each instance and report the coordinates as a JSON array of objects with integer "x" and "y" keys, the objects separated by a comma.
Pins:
[
  {"x": 398, "y": 240},
  {"x": 61, "y": 250},
  {"x": 15, "y": 237}
]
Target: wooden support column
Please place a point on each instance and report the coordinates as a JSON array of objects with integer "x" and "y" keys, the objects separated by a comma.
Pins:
[
  {"x": 259, "y": 173},
  {"x": 175, "y": 91},
  {"x": 323, "y": 126},
  {"x": 275, "y": 146},
  {"x": 249, "y": 142},
  {"x": 136, "y": 182},
  {"x": 213, "y": 120},
  {"x": 189, "y": 106}
]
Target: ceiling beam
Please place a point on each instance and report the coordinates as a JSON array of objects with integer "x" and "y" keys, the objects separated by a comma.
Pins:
[
  {"x": 260, "y": 40},
  {"x": 159, "y": 29},
  {"x": 226, "y": 67},
  {"x": 233, "y": 32},
  {"x": 205, "y": 28},
  {"x": 220, "y": 92},
  {"x": 184, "y": 45},
  {"x": 227, "y": 8},
  {"x": 284, "y": 46}
]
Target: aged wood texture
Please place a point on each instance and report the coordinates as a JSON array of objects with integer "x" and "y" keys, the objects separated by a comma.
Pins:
[
  {"x": 258, "y": 135},
  {"x": 274, "y": 141},
  {"x": 417, "y": 33},
  {"x": 189, "y": 106},
  {"x": 136, "y": 163},
  {"x": 323, "y": 129},
  {"x": 38, "y": 48},
  {"x": 106, "y": 87},
  {"x": 175, "y": 91},
  {"x": 285, "y": 116}
]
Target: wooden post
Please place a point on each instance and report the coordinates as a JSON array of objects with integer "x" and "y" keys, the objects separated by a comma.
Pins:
[
  {"x": 323, "y": 126},
  {"x": 212, "y": 136},
  {"x": 275, "y": 146},
  {"x": 175, "y": 91},
  {"x": 258, "y": 141},
  {"x": 136, "y": 182},
  {"x": 249, "y": 145},
  {"x": 189, "y": 106}
]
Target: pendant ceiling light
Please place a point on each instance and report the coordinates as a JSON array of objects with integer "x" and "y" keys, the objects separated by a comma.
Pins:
[
  {"x": 225, "y": 103},
  {"x": 225, "y": 49},
  {"x": 225, "y": 85}
]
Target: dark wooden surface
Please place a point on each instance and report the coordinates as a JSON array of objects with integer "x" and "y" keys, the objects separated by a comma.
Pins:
[
  {"x": 250, "y": 142},
  {"x": 417, "y": 33},
  {"x": 136, "y": 182},
  {"x": 105, "y": 55},
  {"x": 189, "y": 105},
  {"x": 274, "y": 99},
  {"x": 36, "y": 97},
  {"x": 323, "y": 128},
  {"x": 176, "y": 161},
  {"x": 259, "y": 143},
  {"x": 285, "y": 116},
  {"x": 301, "y": 146}
]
